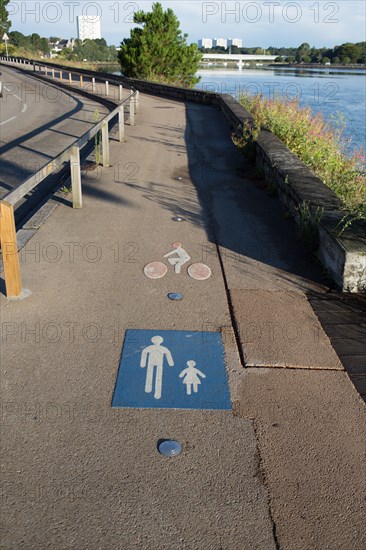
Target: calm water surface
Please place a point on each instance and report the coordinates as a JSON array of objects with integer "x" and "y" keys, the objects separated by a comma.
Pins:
[{"x": 329, "y": 91}]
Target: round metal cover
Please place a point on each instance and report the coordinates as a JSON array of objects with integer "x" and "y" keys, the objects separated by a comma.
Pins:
[
  {"x": 175, "y": 296},
  {"x": 200, "y": 272},
  {"x": 155, "y": 270},
  {"x": 169, "y": 447},
  {"x": 178, "y": 219}
]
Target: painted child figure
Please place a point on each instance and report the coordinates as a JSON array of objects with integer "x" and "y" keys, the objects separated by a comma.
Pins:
[{"x": 191, "y": 377}]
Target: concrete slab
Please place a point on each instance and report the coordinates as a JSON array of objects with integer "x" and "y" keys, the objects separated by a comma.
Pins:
[
  {"x": 280, "y": 329},
  {"x": 311, "y": 427}
]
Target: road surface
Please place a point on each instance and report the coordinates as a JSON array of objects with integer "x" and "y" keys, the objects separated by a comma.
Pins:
[{"x": 37, "y": 122}]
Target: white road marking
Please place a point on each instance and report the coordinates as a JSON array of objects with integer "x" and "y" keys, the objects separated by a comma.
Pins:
[
  {"x": 24, "y": 108},
  {"x": 9, "y": 119}
]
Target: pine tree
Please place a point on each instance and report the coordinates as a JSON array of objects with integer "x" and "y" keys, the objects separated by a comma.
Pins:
[{"x": 158, "y": 50}]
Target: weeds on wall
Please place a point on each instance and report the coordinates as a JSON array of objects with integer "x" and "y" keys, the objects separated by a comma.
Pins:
[{"x": 320, "y": 145}]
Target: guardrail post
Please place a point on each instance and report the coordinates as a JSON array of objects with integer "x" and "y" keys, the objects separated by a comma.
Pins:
[
  {"x": 53, "y": 72},
  {"x": 77, "y": 199},
  {"x": 81, "y": 81},
  {"x": 93, "y": 84},
  {"x": 9, "y": 246},
  {"x": 120, "y": 88},
  {"x": 106, "y": 87},
  {"x": 132, "y": 111},
  {"x": 137, "y": 102},
  {"x": 121, "y": 123},
  {"x": 70, "y": 77},
  {"x": 105, "y": 144},
  {"x": 60, "y": 75},
  {"x": 34, "y": 66}
]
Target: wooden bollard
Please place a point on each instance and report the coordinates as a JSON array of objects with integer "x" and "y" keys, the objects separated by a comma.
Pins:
[{"x": 9, "y": 248}]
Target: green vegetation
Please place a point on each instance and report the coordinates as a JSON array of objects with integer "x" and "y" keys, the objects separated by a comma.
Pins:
[
  {"x": 90, "y": 50},
  {"x": 319, "y": 145},
  {"x": 34, "y": 46},
  {"x": 158, "y": 51},
  {"x": 24, "y": 45},
  {"x": 5, "y": 24},
  {"x": 344, "y": 55}
]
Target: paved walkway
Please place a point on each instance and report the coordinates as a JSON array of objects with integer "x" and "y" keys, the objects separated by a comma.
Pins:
[{"x": 285, "y": 468}]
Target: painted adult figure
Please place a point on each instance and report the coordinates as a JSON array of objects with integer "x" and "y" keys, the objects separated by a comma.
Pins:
[{"x": 153, "y": 357}]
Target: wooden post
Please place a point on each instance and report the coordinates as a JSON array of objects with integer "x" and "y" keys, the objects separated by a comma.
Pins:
[
  {"x": 61, "y": 75},
  {"x": 132, "y": 111},
  {"x": 81, "y": 81},
  {"x": 77, "y": 198},
  {"x": 120, "y": 92},
  {"x": 93, "y": 84},
  {"x": 70, "y": 77},
  {"x": 106, "y": 87},
  {"x": 105, "y": 144},
  {"x": 9, "y": 247},
  {"x": 53, "y": 72},
  {"x": 121, "y": 123}
]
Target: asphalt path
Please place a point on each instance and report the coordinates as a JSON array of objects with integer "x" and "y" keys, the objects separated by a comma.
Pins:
[{"x": 38, "y": 121}]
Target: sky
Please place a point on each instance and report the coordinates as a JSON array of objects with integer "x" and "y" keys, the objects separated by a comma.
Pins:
[{"x": 261, "y": 23}]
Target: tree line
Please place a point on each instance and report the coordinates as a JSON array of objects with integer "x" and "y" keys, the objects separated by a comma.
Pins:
[
  {"x": 344, "y": 54},
  {"x": 34, "y": 44}
]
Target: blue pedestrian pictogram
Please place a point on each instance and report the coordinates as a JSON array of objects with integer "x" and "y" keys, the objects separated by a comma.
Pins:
[{"x": 170, "y": 369}]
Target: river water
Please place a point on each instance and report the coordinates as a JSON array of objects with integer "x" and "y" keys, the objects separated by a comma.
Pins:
[{"x": 333, "y": 92}]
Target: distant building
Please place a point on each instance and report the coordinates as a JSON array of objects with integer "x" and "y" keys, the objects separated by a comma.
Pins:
[
  {"x": 57, "y": 46},
  {"x": 205, "y": 43},
  {"x": 222, "y": 42},
  {"x": 88, "y": 27},
  {"x": 235, "y": 42}
]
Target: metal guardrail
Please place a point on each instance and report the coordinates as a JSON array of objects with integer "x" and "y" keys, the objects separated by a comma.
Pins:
[{"x": 71, "y": 154}]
